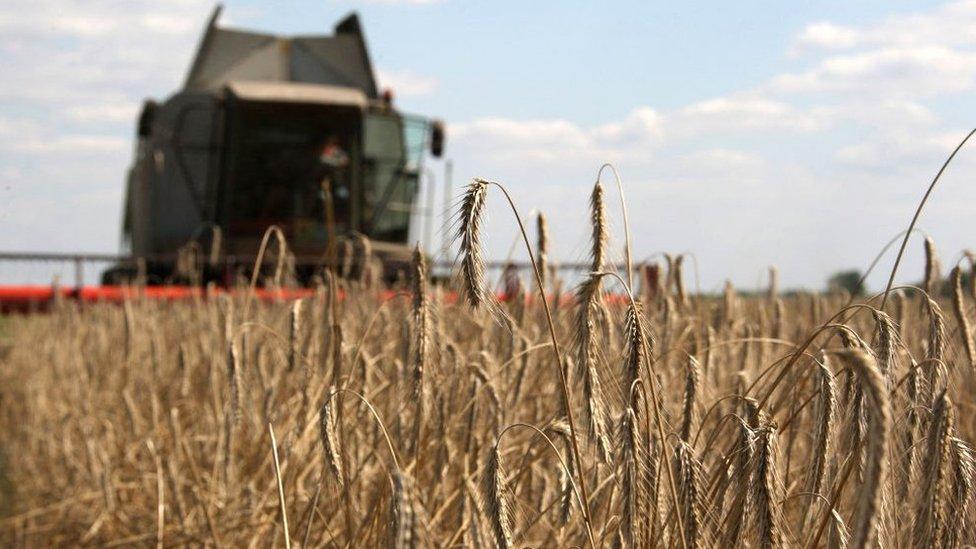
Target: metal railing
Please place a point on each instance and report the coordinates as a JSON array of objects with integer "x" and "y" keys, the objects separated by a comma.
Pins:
[{"x": 78, "y": 261}]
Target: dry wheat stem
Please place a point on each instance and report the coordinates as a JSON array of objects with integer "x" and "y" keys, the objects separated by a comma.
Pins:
[{"x": 479, "y": 188}]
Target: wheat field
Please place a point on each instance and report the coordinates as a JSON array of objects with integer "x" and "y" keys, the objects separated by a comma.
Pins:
[{"x": 620, "y": 414}]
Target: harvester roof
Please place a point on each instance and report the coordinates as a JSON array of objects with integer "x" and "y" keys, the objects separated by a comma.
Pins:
[
  {"x": 298, "y": 92},
  {"x": 230, "y": 56}
]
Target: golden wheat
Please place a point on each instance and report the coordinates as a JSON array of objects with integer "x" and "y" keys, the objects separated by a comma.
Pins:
[{"x": 707, "y": 420}]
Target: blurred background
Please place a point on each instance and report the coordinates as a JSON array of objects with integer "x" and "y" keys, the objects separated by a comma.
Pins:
[{"x": 753, "y": 134}]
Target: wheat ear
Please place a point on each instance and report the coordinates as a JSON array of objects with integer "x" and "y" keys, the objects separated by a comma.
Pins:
[
  {"x": 959, "y": 307},
  {"x": 595, "y": 408},
  {"x": 331, "y": 443},
  {"x": 690, "y": 405},
  {"x": 469, "y": 235},
  {"x": 931, "y": 519},
  {"x": 879, "y": 418},
  {"x": 933, "y": 268},
  {"x": 421, "y": 340},
  {"x": 542, "y": 247},
  {"x": 825, "y": 414},
  {"x": 495, "y": 501}
]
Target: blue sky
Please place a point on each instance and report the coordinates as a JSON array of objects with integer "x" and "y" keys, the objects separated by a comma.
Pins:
[{"x": 749, "y": 133}]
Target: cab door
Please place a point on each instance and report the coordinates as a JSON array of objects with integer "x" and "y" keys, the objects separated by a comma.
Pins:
[
  {"x": 184, "y": 160},
  {"x": 390, "y": 177}
]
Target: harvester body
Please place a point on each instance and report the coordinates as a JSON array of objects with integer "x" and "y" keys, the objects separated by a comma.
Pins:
[{"x": 268, "y": 130}]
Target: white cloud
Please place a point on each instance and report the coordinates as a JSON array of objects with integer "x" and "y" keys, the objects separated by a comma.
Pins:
[
  {"x": 87, "y": 20},
  {"x": 898, "y": 72},
  {"x": 521, "y": 140},
  {"x": 169, "y": 23},
  {"x": 122, "y": 111},
  {"x": 84, "y": 26},
  {"x": 877, "y": 79},
  {"x": 855, "y": 121},
  {"x": 641, "y": 124},
  {"x": 550, "y": 140},
  {"x": 723, "y": 162},
  {"x": 76, "y": 144},
  {"x": 404, "y": 2},
  {"x": 906, "y": 55},
  {"x": 878, "y": 113},
  {"x": 67, "y": 52},
  {"x": 827, "y": 36},
  {"x": 745, "y": 112},
  {"x": 34, "y": 137},
  {"x": 950, "y": 25},
  {"x": 520, "y": 132},
  {"x": 405, "y": 82},
  {"x": 898, "y": 149}
]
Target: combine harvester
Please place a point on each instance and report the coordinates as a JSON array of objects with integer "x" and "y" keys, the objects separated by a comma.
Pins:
[{"x": 267, "y": 131}]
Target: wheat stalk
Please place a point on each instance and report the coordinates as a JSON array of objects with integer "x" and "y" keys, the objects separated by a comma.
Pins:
[{"x": 959, "y": 307}]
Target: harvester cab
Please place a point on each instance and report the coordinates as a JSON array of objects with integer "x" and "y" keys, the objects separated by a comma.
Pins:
[{"x": 269, "y": 130}]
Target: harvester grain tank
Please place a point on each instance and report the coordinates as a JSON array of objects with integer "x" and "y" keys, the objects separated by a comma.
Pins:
[{"x": 271, "y": 130}]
